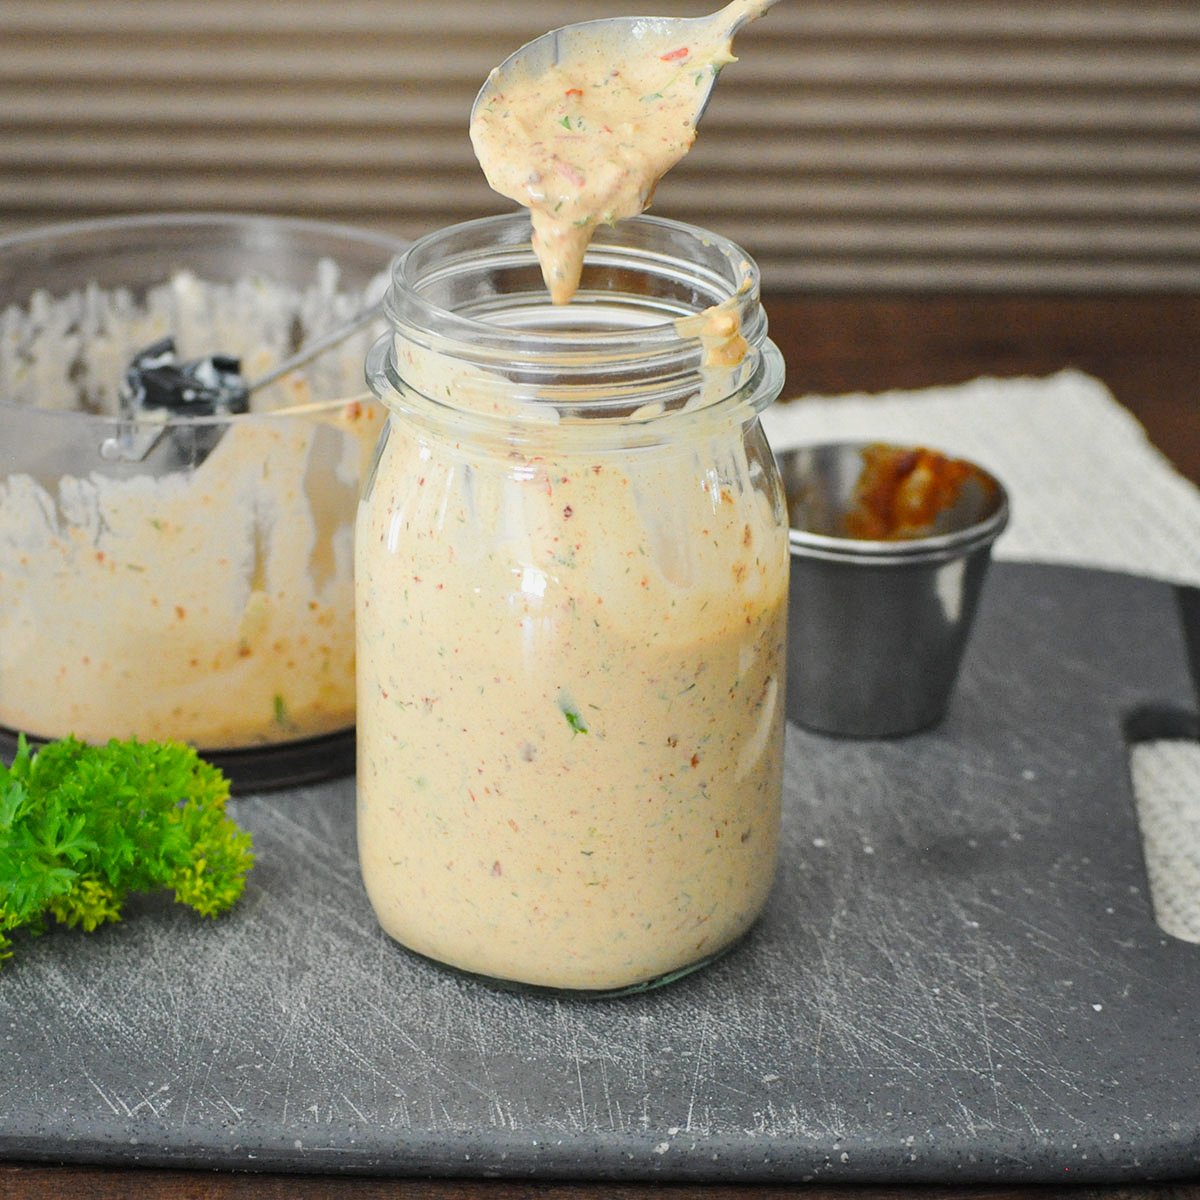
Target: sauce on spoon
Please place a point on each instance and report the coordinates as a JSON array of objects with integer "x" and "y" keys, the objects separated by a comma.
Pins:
[{"x": 586, "y": 141}]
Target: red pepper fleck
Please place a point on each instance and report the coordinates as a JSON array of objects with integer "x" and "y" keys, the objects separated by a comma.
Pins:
[
  {"x": 569, "y": 172},
  {"x": 180, "y": 611},
  {"x": 496, "y": 868},
  {"x": 695, "y": 760},
  {"x": 675, "y": 55},
  {"x": 574, "y": 92},
  {"x": 567, "y": 511}
]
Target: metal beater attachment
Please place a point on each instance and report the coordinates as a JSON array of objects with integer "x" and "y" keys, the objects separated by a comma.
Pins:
[
  {"x": 203, "y": 387},
  {"x": 158, "y": 386}
]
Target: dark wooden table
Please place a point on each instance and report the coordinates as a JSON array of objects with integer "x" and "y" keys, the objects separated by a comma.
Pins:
[{"x": 1145, "y": 348}]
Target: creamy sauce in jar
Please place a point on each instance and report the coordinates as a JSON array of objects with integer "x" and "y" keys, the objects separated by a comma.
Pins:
[
  {"x": 570, "y": 686},
  {"x": 586, "y": 141}
]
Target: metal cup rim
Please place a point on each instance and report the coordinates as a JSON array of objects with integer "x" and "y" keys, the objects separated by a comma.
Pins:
[
  {"x": 900, "y": 553},
  {"x": 803, "y": 543}
]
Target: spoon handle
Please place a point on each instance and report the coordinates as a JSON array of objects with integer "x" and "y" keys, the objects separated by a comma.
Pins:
[
  {"x": 317, "y": 346},
  {"x": 741, "y": 12}
]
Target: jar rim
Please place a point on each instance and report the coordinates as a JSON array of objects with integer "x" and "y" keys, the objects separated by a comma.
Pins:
[
  {"x": 509, "y": 234},
  {"x": 469, "y": 302}
]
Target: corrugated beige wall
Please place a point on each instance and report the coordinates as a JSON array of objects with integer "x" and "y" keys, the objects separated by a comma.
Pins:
[{"x": 1047, "y": 144}]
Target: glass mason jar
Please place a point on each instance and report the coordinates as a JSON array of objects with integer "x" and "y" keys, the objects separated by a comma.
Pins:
[{"x": 571, "y": 597}]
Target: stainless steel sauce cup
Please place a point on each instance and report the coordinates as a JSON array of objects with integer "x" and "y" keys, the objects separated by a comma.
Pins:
[{"x": 877, "y": 628}]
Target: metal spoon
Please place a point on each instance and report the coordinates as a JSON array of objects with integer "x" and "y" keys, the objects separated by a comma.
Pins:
[
  {"x": 623, "y": 35},
  {"x": 318, "y": 346}
]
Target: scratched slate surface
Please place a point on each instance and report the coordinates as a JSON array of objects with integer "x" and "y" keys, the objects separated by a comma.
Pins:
[{"x": 958, "y": 976}]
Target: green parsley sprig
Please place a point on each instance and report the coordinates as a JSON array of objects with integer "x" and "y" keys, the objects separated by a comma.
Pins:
[{"x": 82, "y": 827}]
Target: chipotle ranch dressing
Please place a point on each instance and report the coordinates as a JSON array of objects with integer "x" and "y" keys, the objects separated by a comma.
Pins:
[
  {"x": 571, "y": 640},
  {"x": 586, "y": 141},
  {"x": 571, "y": 632},
  {"x": 570, "y": 683},
  {"x": 212, "y": 606}
]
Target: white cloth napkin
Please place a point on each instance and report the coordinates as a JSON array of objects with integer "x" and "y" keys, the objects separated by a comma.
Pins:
[{"x": 1086, "y": 488}]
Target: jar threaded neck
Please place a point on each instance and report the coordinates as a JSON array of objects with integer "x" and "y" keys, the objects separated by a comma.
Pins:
[{"x": 473, "y": 328}]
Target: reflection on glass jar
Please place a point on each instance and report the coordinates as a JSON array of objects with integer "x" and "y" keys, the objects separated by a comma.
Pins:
[{"x": 571, "y": 582}]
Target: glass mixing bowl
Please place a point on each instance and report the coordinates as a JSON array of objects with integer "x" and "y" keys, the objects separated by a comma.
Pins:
[{"x": 189, "y": 577}]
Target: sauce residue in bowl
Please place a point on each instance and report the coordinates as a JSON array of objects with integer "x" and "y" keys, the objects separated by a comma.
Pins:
[{"x": 209, "y": 603}]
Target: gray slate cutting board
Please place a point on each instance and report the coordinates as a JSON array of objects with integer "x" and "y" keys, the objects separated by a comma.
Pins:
[{"x": 958, "y": 976}]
